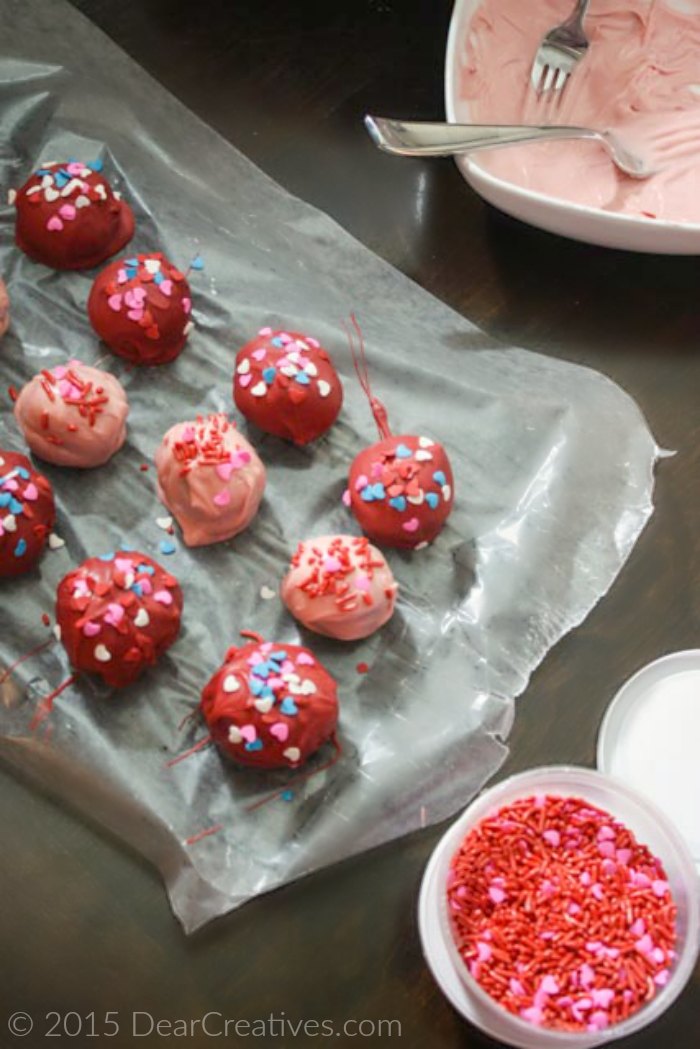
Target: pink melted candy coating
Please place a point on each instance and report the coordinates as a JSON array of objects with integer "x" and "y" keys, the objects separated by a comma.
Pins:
[
  {"x": 73, "y": 415},
  {"x": 640, "y": 78},
  {"x": 340, "y": 586},
  {"x": 4, "y": 309},
  {"x": 210, "y": 478}
]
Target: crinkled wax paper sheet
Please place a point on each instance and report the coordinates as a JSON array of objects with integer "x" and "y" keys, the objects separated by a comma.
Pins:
[{"x": 554, "y": 474}]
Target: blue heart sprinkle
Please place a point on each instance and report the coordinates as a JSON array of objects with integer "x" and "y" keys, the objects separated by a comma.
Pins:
[
  {"x": 398, "y": 502},
  {"x": 15, "y": 506},
  {"x": 279, "y": 657},
  {"x": 266, "y": 692},
  {"x": 403, "y": 452},
  {"x": 367, "y": 494},
  {"x": 167, "y": 547},
  {"x": 148, "y": 569},
  {"x": 136, "y": 587},
  {"x": 256, "y": 686},
  {"x": 128, "y": 549},
  {"x": 288, "y": 706},
  {"x": 197, "y": 263},
  {"x": 131, "y": 262},
  {"x": 61, "y": 180},
  {"x": 277, "y": 342},
  {"x": 158, "y": 278},
  {"x": 21, "y": 548},
  {"x": 24, "y": 474},
  {"x": 261, "y": 670},
  {"x": 255, "y": 745},
  {"x": 43, "y": 171},
  {"x": 107, "y": 557},
  {"x": 5, "y": 498},
  {"x": 439, "y": 477},
  {"x": 269, "y": 374},
  {"x": 131, "y": 273},
  {"x": 432, "y": 499},
  {"x": 95, "y": 165},
  {"x": 302, "y": 378},
  {"x": 287, "y": 795},
  {"x": 378, "y": 490}
]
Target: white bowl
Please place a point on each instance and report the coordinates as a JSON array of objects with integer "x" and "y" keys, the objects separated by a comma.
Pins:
[
  {"x": 557, "y": 216},
  {"x": 650, "y": 826}
]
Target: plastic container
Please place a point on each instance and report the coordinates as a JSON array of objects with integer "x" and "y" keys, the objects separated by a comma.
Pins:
[{"x": 651, "y": 828}]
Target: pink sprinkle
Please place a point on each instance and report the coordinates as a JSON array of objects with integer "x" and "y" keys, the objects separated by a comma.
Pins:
[
  {"x": 59, "y": 371},
  {"x": 549, "y": 985},
  {"x": 594, "y": 946},
  {"x": 123, "y": 564},
  {"x": 224, "y": 470},
  {"x": 240, "y": 459},
  {"x": 163, "y": 597},
  {"x": 54, "y": 223},
  {"x": 658, "y": 956},
  {"x": 222, "y": 498},
  {"x": 74, "y": 168},
  {"x": 166, "y": 286},
  {"x": 31, "y": 492},
  {"x": 361, "y": 482},
  {"x": 186, "y": 304},
  {"x": 661, "y": 978},
  {"x": 484, "y": 951},
  {"x": 585, "y": 878},
  {"x": 640, "y": 879},
  {"x": 608, "y": 867},
  {"x": 135, "y": 315},
  {"x": 607, "y": 849},
  {"x": 245, "y": 380},
  {"x": 280, "y": 731},
  {"x": 638, "y": 928},
  {"x": 121, "y": 277},
  {"x": 304, "y": 659},
  {"x": 645, "y": 944},
  {"x": 573, "y": 908},
  {"x": 67, "y": 211},
  {"x": 497, "y": 895},
  {"x": 265, "y": 331},
  {"x": 603, "y": 997},
  {"x": 91, "y": 629},
  {"x": 552, "y": 837},
  {"x": 533, "y": 1015},
  {"x": 115, "y": 302},
  {"x": 145, "y": 585},
  {"x": 623, "y": 856},
  {"x": 114, "y": 614},
  {"x": 362, "y": 583},
  {"x": 659, "y": 887},
  {"x": 248, "y": 732},
  {"x": 346, "y": 497},
  {"x": 586, "y": 974},
  {"x": 332, "y": 564},
  {"x": 516, "y": 986},
  {"x": 606, "y": 834},
  {"x": 412, "y": 525},
  {"x": 259, "y": 355},
  {"x": 597, "y": 891}
]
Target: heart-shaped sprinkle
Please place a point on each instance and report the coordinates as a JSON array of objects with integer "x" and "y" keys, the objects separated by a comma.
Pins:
[
  {"x": 302, "y": 378},
  {"x": 416, "y": 500},
  {"x": 82, "y": 201},
  {"x": 102, "y": 654},
  {"x": 288, "y": 706},
  {"x": 398, "y": 503},
  {"x": 67, "y": 211},
  {"x": 248, "y": 733},
  {"x": 151, "y": 265},
  {"x": 231, "y": 683},
  {"x": 362, "y": 582},
  {"x": 244, "y": 367},
  {"x": 114, "y": 614},
  {"x": 240, "y": 458},
  {"x": 142, "y": 618},
  {"x": 292, "y": 754},
  {"x": 422, "y": 456},
  {"x": 12, "y": 196},
  {"x": 222, "y": 498},
  {"x": 432, "y": 499},
  {"x": 31, "y": 492},
  {"x": 115, "y": 302},
  {"x": 259, "y": 355},
  {"x": 269, "y": 374},
  {"x": 439, "y": 477},
  {"x": 245, "y": 380},
  {"x": 256, "y": 744},
  {"x": 289, "y": 370},
  {"x": 305, "y": 659},
  {"x": 412, "y": 525},
  {"x": 332, "y": 564},
  {"x": 91, "y": 629},
  {"x": 234, "y": 734},
  {"x": 267, "y": 593},
  {"x": 224, "y": 470},
  {"x": 402, "y": 452},
  {"x": 51, "y": 195},
  {"x": 186, "y": 305},
  {"x": 166, "y": 286},
  {"x": 162, "y": 596},
  {"x": 259, "y": 390},
  {"x": 425, "y": 442},
  {"x": 324, "y": 388},
  {"x": 311, "y": 369},
  {"x": 55, "y": 541},
  {"x": 361, "y": 482},
  {"x": 446, "y": 492},
  {"x": 280, "y": 731},
  {"x": 135, "y": 315},
  {"x": 54, "y": 223},
  {"x": 308, "y": 688},
  {"x": 264, "y": 704},
  {"x": 164, "y": 522}
]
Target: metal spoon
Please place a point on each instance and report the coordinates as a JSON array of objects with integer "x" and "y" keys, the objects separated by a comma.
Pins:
[{"x": 436, "y": 139}]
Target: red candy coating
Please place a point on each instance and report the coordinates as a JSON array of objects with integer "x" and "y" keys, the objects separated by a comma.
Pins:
[
  {"x": 141, "y": 307},
  {"x": 69, "y": 218},
  {"x": 401, "y": 490},
  {"x": 117, "y": 615},
  {"x": 27, "y": 514},
  {"x": 285, "y": 384},
  {"x": 270, "y": 705}
]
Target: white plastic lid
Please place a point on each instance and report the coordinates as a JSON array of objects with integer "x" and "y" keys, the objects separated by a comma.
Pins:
[{"x": 650, "y": 739}]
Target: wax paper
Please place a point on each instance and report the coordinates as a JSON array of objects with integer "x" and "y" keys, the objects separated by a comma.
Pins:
[{"x": 553, "y": 477}]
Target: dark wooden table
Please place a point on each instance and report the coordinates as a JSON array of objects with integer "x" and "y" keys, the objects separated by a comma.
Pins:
[{"x": 85, "y": 926}]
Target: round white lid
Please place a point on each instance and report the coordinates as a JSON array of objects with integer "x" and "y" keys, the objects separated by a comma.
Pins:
[{"x": 650, "y": 739}]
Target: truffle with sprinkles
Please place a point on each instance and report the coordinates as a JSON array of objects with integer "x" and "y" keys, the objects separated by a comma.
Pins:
[
  {"x": 285, "y": 383},
  {"x": 117, "y": 615},
  {"x": 27, "y": 514},
  {"x": 73, "y": 415},
  {"x": 270, "y": 705},
  {"x": 69, "y": 217},
  {"x": 4, "y": 309},
  {"x": 210, "y": 479},
  {"x": 141, "y": 307},
  {"x": 340, "y": 586},
  {"x": 401, "y": 489}
]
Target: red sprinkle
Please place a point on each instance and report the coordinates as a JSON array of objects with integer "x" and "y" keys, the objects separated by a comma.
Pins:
[
  {"x": 561, "y": 915},
  {"x": 362, "y": 668}
]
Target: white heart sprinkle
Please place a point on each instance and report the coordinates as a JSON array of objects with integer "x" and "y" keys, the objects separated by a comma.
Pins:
[
  {"x": 164, "y": 522},
  {"x": 82, "y": 201},
  {"x": 422, "y": 456},
  {"x": 290, "y": 370},
  {"x": 101, "y": 191},
  {"x": 293, "y": 355},
  {"x": 425, "y": 442},
  {"x": 292, "y": 754},
  {"x": 10, "y": 523},
  {"x": 263, "y": 704},
  {"x": 311, "y": 369},
  {"x": 244, "y": 367},
  {"x": 74, "y": 183},
  {"x": 301, "y": 344},
  {"x": 102, "y": 654},
  {"x": 55, "y": 541},
  {"x": 188, "y": 328},
  {"x": 11, "y": 196},
  {"x": 231, "y": 683},
  {"x": 307, "y": 687},
  {"x": 421, "y": 546},
  {"x": 446, "y": 492},
  {"x": 416, "y": 500},
  {"x": 129, "y": 580},
  {"x": 142, "y": 618},
  {"x": 152, "y": 265},
  {"x": 324, "y": 388},
  {"x": 51, "y": 194},
  {"x": 57, "y": 632},
  {"x": 267, "y": 593},
  {"x": 86, "y": 172},
  {"x": 47, "y": 181},
  {"x": 259, "y": 390},
  {"x": 234, "y": 735},
  {"x": 34, "y": 189}
]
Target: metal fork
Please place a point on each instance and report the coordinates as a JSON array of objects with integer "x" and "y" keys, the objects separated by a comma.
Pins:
[{"x": 560, "y": 51}]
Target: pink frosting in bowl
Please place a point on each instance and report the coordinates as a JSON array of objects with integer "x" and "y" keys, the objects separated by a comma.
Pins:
[{"x": 641, "y": 78}]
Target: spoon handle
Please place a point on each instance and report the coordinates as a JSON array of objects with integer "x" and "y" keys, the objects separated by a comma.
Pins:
[{"x": 436, "y": 139}]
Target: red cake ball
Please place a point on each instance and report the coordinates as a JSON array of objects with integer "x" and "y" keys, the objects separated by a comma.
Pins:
[
  {"x": 285, "y": 384},
  {"x": 117, "y": 615},
  {"x": 270, "y": 705},
  {"x": 27, "y": 514},
  {"x": 69, "y": 218},
  {"x": 400, "y": 490},
  {"x": 141, "y": 307}
]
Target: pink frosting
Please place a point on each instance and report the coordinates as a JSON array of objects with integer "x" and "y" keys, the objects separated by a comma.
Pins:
[
  {"x": 4, "y": 309},
  {"x": 641, "y": 78},
  {"x": 210, "y": 478},
  {"x": 73, "y": 415},
  {"x": 340, "y": 586}
]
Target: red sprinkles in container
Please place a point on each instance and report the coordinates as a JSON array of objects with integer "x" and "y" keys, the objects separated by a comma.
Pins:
[{"x": 561, "y": 915}]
